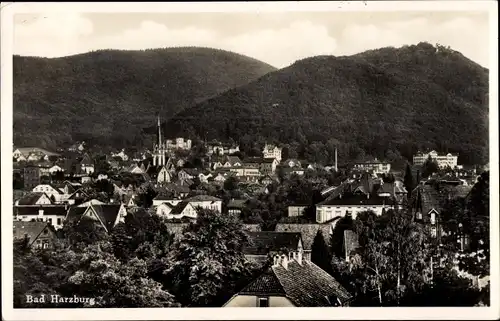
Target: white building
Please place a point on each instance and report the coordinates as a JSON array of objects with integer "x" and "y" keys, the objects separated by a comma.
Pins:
[
  {"x": 178, "y": 143},
  {"x": 272, "y": 151},
  {"x": 375, "y": 166},
  {"x": 351, "y": 205},
  {"x": 53, "y": 214},
  {"x": 442, "y": 160}
]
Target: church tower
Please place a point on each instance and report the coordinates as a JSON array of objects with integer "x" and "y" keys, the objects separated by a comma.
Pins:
[{"x": 159, "y": 150}]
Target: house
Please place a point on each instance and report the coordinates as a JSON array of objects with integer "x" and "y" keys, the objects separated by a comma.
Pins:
[
  {"x": 351, "y": 204},
  {"x": 178, "y": 190},
  {"x": 161, "y": 199},
  {"x": 135, "y": 169},
  {"x": 246, "y": 173},
  {"x": 52, "y": 214},
  {"x": 34, "y": 198},
  {"x": 268, "y": 165},
  {"x": 182, "y": 209},
  {"x": 264, "y": 244},
  {"x": 40, "y": 235},
  {"x": 232, "y": 161},
  {"x": 121, "y": 154},
  {"x": 375, "y": 166},
  {"x": 217, "y": 148},
  {"x": 52, "y": 191},
  {"x": 292, "y": 282},
  {"x": 187, "y": 173},
  {"x": 308, "y": 232},
  {"x": 204, "y": 176},
  {"x": 78, "y": 147},
  {"x": 91, "y": 202},
  {"x": 220, "y": 178},
  {"x": 32, "y": 154},
  {"x": 54, "y": 169},
  {"x": 77, "y": 197},
  {"x": 235, "y": 206},
  {"x": 102, "y": 177},
  {"x": 86, "y": 165},
  {"x": 292, "y": 163},
  {"x": 178, "y": 143},
  {"x": 272, "y": 151},
  {"x": 206, "y": 202},
  {"x": 164, "y": 176},
  {"x": 297, "y": 209},
  {"x": 448, "y": 160},
  {"x": 107, "y": 215}
]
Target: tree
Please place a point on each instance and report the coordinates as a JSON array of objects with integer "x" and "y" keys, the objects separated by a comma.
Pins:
[
  {"x": 207, "y": 264},
  {"x": 320, "y": 254},
  {"x": 145, "y": 195},
  {"x": 429, "y": 167},
  {"x": 231, "y": 183},
  {"x": 84, "y": 231},
  {"x": 114, "y": 284},
  {"x": 394, "y": 259},
  {"x": 408, "y": 179}
]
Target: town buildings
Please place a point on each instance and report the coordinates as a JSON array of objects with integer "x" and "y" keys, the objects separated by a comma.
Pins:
[{"x": 448, "y": 160}]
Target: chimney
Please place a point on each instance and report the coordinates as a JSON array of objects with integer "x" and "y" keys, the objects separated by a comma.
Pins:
[
  {"x": 277, "y": 260},
  {"x": 284, "y": 262},
  {"x": 336, "y": 164},
  {"x": 300, "y": 256}
]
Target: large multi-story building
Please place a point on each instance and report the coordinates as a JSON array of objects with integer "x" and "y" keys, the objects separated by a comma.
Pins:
[
  {"x": 272, "y": 151},
  {"x": 374, "y": 166},
  {"x": 178, "y": 143},
  {"x": 442, "y": 160}
]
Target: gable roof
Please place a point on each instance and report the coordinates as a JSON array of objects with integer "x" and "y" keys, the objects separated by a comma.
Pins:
[
  {"x": 307, "y": 231},
  {"x": 106, "y": 213},
  {"x": 261, "y": 243},
  {"x": 177, "y": 209},
  {"x": 30, "y": 229},
  {"x": 203, "y": 198},
  {"x": 233, "y": 159},
  {"x": 31, "y": 198},
  {"x": 86, "y": 160},
  {"x": 306, "y": 285}
]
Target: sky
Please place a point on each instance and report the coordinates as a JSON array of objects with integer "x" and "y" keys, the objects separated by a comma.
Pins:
[{"x": 278, "y": 39}]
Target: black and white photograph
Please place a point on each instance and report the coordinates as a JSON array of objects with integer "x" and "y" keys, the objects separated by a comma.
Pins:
[{"x": 249, "y": 155}]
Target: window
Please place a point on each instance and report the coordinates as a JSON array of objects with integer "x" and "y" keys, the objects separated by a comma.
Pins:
[
  {"x": 433, "y": 231},
  {"x": 59, "y": 221},
  {"x": 263, "y": 302}
]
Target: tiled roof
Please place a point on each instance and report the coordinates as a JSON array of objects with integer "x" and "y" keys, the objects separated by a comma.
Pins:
[
  {"x": 357, "y": 200},
  {"x": 179, "y": 207},
  {"x": 308, "y": 232},
  {"x": 30, "y": 229},
  {"x": 203, "y": 198},
  {"x": 262, "y": 243},
  {"x": 266, "y": 284},
  {"x": 233, "y": 159},
  {"x": 306, "y": 285},
  {"x": 107, "y": 213},
  {"x": 34, "y": 210},
  {"x": 30, "y": 198}
]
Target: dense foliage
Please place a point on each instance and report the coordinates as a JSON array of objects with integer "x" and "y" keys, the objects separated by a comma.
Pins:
[
  {"x": 380, "y": 103},
  {"x": 95, "y": 96}
]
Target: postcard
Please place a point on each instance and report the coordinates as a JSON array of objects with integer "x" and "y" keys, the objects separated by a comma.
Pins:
[{"x": 330, "y": 160}]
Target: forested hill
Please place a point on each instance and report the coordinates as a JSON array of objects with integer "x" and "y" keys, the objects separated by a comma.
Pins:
[
  {"x": 109, "y": 96},
  {"x": 379, "y": 103}
]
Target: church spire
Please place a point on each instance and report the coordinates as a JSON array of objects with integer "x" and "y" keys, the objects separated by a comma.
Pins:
[{"x": 159, "y": 132}]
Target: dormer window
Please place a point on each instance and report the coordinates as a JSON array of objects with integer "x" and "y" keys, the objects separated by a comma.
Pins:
[
  {"x": 433, "y": 218},
  {"x": 418, "y": 216}
]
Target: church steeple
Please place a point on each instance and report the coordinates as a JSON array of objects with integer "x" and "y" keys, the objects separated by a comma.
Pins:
[{"x": 159, "y": 132}]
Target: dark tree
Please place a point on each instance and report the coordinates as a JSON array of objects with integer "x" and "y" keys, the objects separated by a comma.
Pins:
[
  {"x": 320, "y": 254},
  {"x": 408, "y": 179}
]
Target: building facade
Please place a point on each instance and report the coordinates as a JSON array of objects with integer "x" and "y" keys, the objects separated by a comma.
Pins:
[{"x": 442, "y": 160}]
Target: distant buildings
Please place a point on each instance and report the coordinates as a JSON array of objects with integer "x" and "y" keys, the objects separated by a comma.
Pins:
[
  {"x": 272, "y": 151},
  {"x": 162, "y": 150},
  {"x": 442, "y": 160},
  {"x": 375, "y": 166}
]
